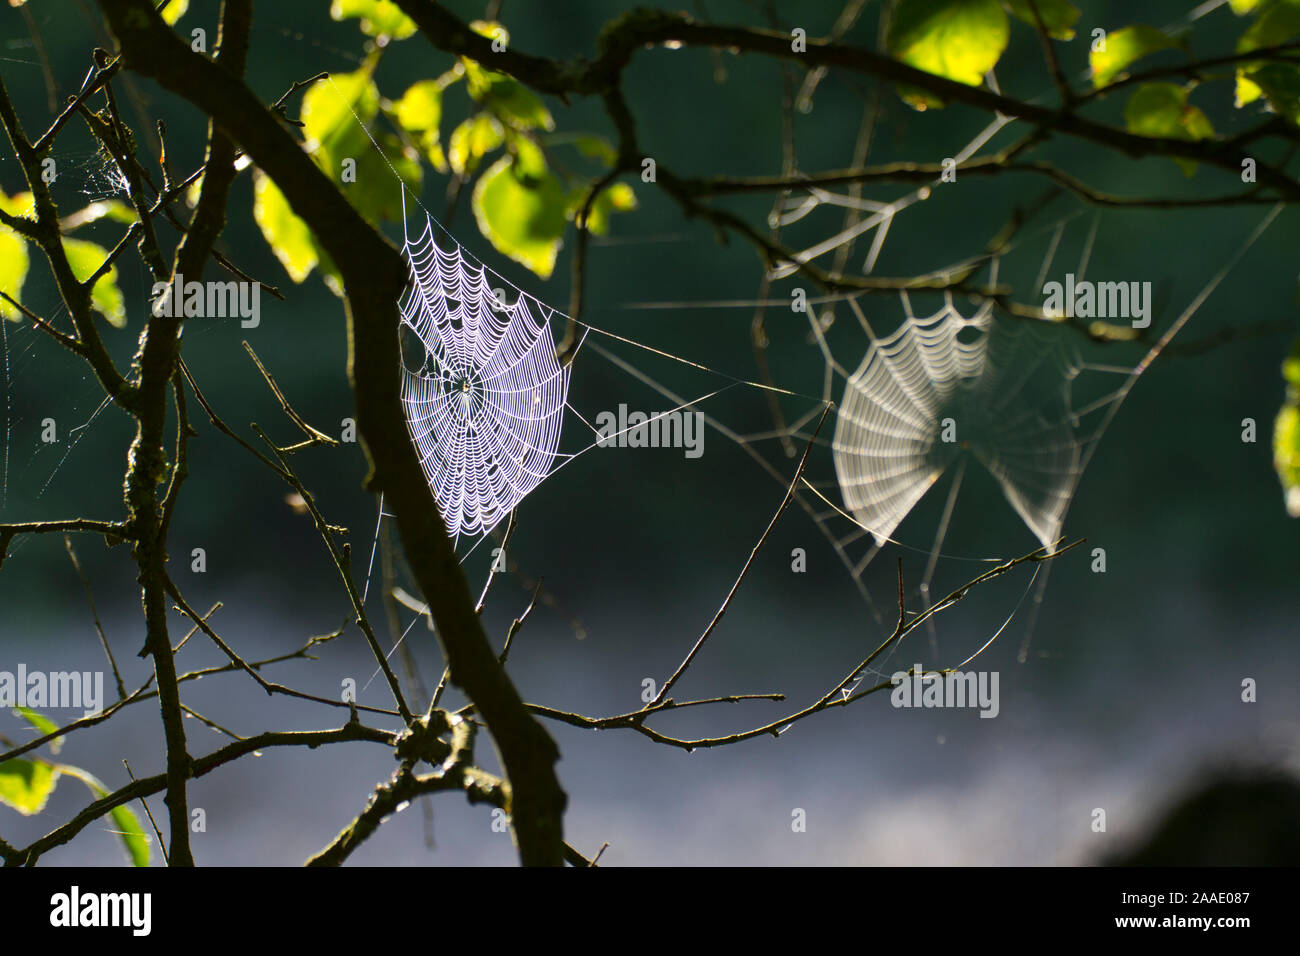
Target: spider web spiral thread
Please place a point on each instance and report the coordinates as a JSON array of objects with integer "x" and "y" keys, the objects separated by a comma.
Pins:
[{"x": 486, "y": 404}]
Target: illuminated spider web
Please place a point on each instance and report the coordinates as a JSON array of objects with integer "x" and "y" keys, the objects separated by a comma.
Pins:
[
  {"x": 486, "y": 402},
  {"x": 945, "y": 385}
]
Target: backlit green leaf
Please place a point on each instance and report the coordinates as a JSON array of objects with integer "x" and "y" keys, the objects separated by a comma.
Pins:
[
  {"x": 175, "y": 10},
  {"x": 525, "y": 222},
  {"x": 619, "y": 197},
  {"x": 334, "y": 111},
  {"x": 375, "y": 193},
  {"x": 378, "y": 17},
  {"x": 1122, "y": 48},
  {"x": 1278, "y": 82},
  {"x": 42, "y": 724},
  {"x": 511, "y": 102},
  {"x": 286, "y": 234},
  {"x": 1059, "y": 16},
  {"x": 958, "y": 39},
  {"x": 472, "y": 140},
  {"x": 1162, "y": 110},
  {"x": 13, "y": 256},
  {"x": 420, "y": 107},
  {"x": 26, "y": 785},
  {"x": 85, "y": 258},
  {"x": 134, "y": 840},
  {"x": 595, "y": 147},
  {"x": 1286, "y": 434}
]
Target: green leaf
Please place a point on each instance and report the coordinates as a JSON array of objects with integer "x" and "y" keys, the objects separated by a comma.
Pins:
[
  {"x": 286, "y": 234},
  {"x": 523, "y": 221},
  {"x": 618, "y": 197},
  {"x": 958, "y": 39},
  {"x": 530, "y": 161},
  {"x": 1286, "y": 434},
  {"x": 1161, "y": 110},
  {"x": 13, "y": 272},
  {"x": 134, "y": 839},
  {"x": 85, "y": 258},
  {"x": 1278, "y": 23},
  {"x": 175, "y": 10},
  {"x": 1242, "y": 7},
  {"x": 14, "y": 262},
  {"x": 491, "y": 29},
  {"x": 1278, "y": 82},
  {"x": 419, "y": 112},
  {"x": 336, "y": 110},
  {"x": 112, "y": 209},
  {"x": 42, "y": 724},
  {"x": 420, "y": 107},
  {"x": 1286, "y": 455},
  {"x": 26, "y": 785},
  {"x": 1059, "y": 16},
  {"x": 472, "y": 140},
  {"x": 378, "y": 17},
  {"x": 375, "y": 194},
  {"x": 595, "y": 147},
  {"x": 513, "y": 104},
  {"x": 1124, "y": 47}
]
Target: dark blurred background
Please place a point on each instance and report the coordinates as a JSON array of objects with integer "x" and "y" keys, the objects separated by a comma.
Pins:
[{"x": 1132, "y": 685}]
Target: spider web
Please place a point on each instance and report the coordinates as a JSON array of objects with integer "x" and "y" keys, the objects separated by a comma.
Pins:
[
  {"x": 486, "y": 402},
  {"x": 888, "y": 447},
  {"x": 1026, "y": 400}
]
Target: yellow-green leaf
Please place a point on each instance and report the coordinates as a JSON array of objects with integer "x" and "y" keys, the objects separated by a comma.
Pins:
[
  {"x": 112, "y": 209},
  {"x": 1162, "y": 110},
  {"x": 525, "y": 222},
  {"x": 42, "y": 724},
  {"x": 1286, "y": 434},
  {"x": 958, "y": 39},
  {"x": 1123, "y": 47},
  {"x": 595, "y": 147},
  {"x": 85, "y": 258},
  {"x": 175, "y": 10},
  {"x": 134, "y": 840},
  {"x": 1059, "y": 16},
  {"x": 491, "y": 29},
  {"x": 286, "y": 234},
  {"x": 375, "y": 193},
  {"x": 530, "y": 161},
  {"x": 26, "y": 785},
  {"x": 472, "y": 140},
  {"x": 513, "y": 104},
  {"x": 1278, "y": 24},
  {"x": 14, "y": 261},
  {"x": 1279, "y": 83},
  {"x": 334, "y": 111},
  {"x": 1286, "y": 455},
  {"x": 420, "y": 107},
  {"x": 618, "y": 197},
  {"x": 378, "y": 17}
]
